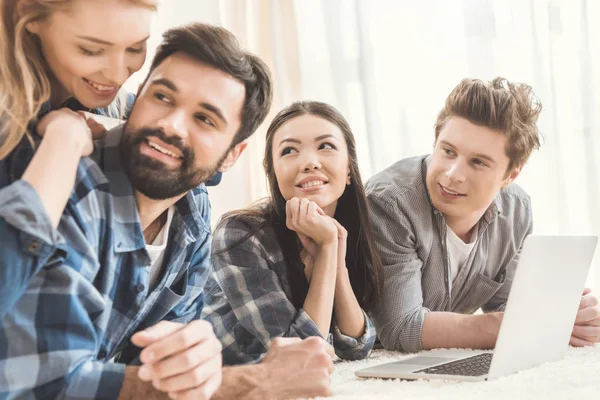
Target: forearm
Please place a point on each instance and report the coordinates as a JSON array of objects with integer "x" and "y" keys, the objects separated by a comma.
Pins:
[
  {"x": 134, "y": 388},
  {"x": 319, "y": 299},
  {"x": 244, "y": 382},
  {"x": 451, "y": 330},
  {"x": 52, "y": 173},
  {"x": 349, "y": 317}
]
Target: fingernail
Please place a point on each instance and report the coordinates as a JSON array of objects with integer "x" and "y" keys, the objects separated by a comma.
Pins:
[{"x": 143, "y": 373}]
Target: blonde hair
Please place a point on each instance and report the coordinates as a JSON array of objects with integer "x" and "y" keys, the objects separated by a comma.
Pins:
[
  {"x": 511, "y": 108},
  {"x": 24, "y": 81}
]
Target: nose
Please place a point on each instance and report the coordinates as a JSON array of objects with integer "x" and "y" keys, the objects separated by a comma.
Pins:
[
  {"x": 116, "y": 69},
  {"x": 311, "y": 163},
  {"x": 454, "y": 172},
  {"x": 173, "y": 123}
]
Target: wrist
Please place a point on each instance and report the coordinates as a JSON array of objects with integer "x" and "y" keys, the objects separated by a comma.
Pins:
[{"x": 68, "y": 142}]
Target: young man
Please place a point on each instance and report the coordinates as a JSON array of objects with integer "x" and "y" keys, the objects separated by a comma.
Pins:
[
  {"x": 450, "y": 225},
  {"x": 132, "y": 251}
]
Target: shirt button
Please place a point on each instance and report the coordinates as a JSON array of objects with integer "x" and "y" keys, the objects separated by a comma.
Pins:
[
  {"x": 140, "y": 288},
  {"x": 34, "y": 246},
  {"x": 101, "y": 354}
]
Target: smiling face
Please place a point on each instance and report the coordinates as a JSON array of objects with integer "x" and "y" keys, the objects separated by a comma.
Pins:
[
  {"x": 310, "y": 160},
  {"x": 468, "y": 167},
  {"x": 92, "y": 47},
  {"x": 181, "y": 127}
]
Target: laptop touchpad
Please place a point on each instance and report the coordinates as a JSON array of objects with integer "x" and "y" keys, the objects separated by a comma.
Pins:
[{"x": 425, "y": 361}]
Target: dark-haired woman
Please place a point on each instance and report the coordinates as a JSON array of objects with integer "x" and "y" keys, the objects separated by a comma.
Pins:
[{"x": 302, "y": 263}]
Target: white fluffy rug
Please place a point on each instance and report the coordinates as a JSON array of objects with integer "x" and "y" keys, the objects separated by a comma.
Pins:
[{"x": 577, "y": 376}]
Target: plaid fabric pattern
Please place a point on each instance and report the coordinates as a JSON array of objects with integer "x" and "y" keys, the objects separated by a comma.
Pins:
[
  {"x": 411, "y": 237},
  {"x": 247, "y": 299},
  {"x": 84, "y": 288}
]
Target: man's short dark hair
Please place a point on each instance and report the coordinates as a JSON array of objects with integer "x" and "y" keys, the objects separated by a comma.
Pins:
[{"x": 219, "y": 48}]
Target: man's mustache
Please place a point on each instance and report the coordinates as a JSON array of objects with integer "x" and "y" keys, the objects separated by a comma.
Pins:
[{"x": 145, "y": 133}]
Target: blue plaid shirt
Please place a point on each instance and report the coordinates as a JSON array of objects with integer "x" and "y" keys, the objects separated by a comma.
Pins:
[{"x": 81, "y": 291}]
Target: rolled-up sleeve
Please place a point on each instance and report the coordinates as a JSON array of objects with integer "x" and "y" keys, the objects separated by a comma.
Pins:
[
  {"x": 29, "y": 241},
  {"x": 399, "y": 315},
  {"x": 349, "y": 348}
]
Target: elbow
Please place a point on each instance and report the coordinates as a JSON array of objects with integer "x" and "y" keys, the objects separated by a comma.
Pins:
[{"x": 404, "y": 334}]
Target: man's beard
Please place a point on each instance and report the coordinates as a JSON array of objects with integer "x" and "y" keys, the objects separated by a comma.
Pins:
[{"x": 154, "y": 178}]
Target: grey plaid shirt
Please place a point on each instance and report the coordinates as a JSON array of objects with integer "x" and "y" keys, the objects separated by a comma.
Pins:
[
  {"x": 411, "y": 236},
  {"x": 247, "y": 298}
]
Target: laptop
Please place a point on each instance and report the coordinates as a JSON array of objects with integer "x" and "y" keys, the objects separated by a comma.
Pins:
[{"x": 550, "y": 277}]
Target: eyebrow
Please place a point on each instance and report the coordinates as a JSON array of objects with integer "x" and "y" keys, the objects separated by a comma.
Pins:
[
  {"x": 478, "y": 155},
  {"x": 100, "y": 41},
  {"x": 209, "y": 107},
  {"x": 317, "y": 139}
]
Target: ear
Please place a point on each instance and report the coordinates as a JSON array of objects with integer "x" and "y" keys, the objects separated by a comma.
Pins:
[
  {"x": 512, "y": 176},
  {"x": 348, "y": 179},
  {"x": 233, "y": 156},
  {"x": 31, "y": 27}
]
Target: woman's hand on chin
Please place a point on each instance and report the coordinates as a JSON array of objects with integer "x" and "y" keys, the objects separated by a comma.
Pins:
[{"x": 306, "y": 218}]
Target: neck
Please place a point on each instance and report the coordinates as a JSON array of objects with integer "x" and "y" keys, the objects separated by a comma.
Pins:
[
  {"x": 150, "y": 211},
  {"x": 330, "y": 209},
  {"x": 463, "y": 226}
]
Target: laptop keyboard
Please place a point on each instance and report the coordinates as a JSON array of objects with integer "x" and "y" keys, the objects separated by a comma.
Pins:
[{"x": 471, "y": 366}]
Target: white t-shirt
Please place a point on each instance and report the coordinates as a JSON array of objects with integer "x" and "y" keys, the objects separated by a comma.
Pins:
[
  {"x": 458, "y": 251},
  {"x": 156, "y": 250}
]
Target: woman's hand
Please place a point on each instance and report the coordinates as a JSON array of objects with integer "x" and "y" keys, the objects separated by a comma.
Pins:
[
  {"x": 99, "y": 124},
  {"x": 304, "y": 218},
  {"x": 67, "y": 125}
]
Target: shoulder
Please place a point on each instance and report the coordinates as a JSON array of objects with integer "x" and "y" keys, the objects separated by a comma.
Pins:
[
  {"x": 403, "y": 183},
  {"x": 515, "y": 205},
  {"x": 513, "y": 197}
]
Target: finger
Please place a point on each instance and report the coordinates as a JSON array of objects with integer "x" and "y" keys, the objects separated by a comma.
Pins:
[
  {"x": 288, "y": 214},
  {"x": 154, "y": 333},
  {"x": 578, "y": 342},
  {"x": 190, "y": 335},
  {"x": 282, "y": 342},
  {"x": 186, "y": 360},
  {"x": 588, "y": 332},
  {"x": 295, "y": 211},
  {"x": 190, "y": 379},
  {"x": 312, "y": 208},
  {"x": 586, "y": 291},
  {"x": 320, "y": 210},
  {"x": 304, "y": 207},
  {"x": 330, "y": 351},
  {"x": 588, "y": 301},
  {"x": 588, "y": 315},
  {"x": 202, "y": 392}
]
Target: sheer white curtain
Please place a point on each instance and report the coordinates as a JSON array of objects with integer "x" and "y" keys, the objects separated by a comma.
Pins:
[{"x": 389, "y": 65}]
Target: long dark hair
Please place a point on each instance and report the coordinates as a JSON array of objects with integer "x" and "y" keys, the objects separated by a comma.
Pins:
[{"x": 362, "y": 258}]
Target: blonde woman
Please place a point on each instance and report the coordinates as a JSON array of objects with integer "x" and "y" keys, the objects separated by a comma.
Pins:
[{"x": 72, "y": 55}]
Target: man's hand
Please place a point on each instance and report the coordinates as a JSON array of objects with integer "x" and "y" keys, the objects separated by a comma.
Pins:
[
  {"x": 298, "y": 368},
  {"x": 182, "y": 360},
  {"x": 586, "y": 331}
]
